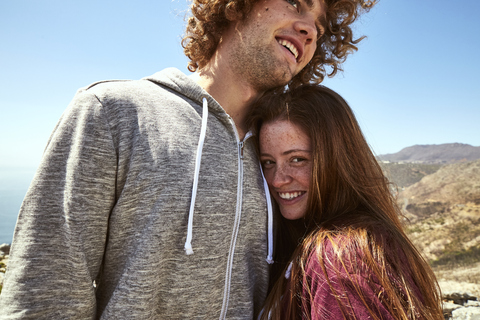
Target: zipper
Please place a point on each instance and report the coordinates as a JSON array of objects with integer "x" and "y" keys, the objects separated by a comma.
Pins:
[
  {"x": 241, "y": 144},
  {"x": 236, "y": 225},
  {"x": 240, "y": 149}
]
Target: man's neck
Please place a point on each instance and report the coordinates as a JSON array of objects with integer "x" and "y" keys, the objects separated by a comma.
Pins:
[{"x": 233, "y": 94}]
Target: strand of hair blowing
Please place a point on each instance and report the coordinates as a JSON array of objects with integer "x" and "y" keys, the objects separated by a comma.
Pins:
[{"x": 210, "y": 18}]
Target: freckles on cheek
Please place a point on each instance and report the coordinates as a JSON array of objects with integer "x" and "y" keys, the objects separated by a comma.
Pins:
[
  {"x": 268, "y": 177},
  {"x": 307, "y": 174}
]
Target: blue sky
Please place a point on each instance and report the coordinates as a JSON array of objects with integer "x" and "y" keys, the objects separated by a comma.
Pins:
[{"x": 413, "y": 81}]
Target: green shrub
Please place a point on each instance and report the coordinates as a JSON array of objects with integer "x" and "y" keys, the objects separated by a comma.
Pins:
[{"x": 456, "y": 258}]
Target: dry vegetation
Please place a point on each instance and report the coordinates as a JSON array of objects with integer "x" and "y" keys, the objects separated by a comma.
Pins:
[
  {"x": 406, "y": 174},
  {"x": 450, "y": 241},
  {"x": 442, "y": 213}
]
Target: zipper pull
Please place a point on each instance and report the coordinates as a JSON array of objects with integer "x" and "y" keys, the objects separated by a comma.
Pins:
[{"x": 240, "y": 149}]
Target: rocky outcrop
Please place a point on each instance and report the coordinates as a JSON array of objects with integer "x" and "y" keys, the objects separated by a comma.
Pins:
[
  {"x": 460, "y": 300},
  {"x": 4, "y": 252},
  {"x": 4, "y": 249},
  {"x": 469, "y": 312},
  {"x": 459, "y": 305}
]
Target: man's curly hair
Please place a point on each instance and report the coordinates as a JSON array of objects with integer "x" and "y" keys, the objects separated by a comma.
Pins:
[{"x": 211, "y": 17}]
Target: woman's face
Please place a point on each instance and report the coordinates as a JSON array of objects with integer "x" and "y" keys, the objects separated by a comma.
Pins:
[{"x": 286, "y": 157}]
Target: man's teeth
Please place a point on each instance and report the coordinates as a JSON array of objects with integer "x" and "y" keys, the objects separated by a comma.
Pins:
[
  {"x": 289, "y": 46},
  {"x": 289, "y": 195}
]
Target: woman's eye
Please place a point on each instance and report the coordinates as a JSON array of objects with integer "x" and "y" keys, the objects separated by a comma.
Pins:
[
  {"x": 294, "y": 3},
  {"x": 267, "y": 163},
  {"x": 298, "y": 159}
]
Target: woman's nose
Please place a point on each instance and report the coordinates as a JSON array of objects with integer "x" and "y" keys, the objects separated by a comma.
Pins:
[{"x": 281, "y": 177}]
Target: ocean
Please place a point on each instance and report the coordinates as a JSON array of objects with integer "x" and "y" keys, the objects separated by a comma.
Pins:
[{"x": 14, "y": 183}]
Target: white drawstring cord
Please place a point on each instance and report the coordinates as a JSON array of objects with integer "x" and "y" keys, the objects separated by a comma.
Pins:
[
  {"x": 201, "y": 140},
  {"x": 270, "y": 218}
]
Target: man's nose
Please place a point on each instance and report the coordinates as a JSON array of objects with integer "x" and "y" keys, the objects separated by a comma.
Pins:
[{"x": 307, "y": 28}]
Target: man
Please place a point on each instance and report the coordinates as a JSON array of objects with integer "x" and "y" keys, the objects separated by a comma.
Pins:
[{"x": 126, "y": 184}]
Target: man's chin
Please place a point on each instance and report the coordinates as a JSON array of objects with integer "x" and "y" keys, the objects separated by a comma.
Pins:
[
  {"x": 275, "y": 79},
  {"x": 285, "y": 78}
]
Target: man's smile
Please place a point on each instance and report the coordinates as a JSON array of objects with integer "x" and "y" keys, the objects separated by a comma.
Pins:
[{"x": 290, "y": 46}]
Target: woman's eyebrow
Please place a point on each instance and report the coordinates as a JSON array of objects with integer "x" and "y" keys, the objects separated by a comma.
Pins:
[
  {"x": 264, "y": 154},
  {"x": 295, "y": 150}
]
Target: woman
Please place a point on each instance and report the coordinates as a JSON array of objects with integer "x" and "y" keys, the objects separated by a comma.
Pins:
[{"x": 340, "y": 248}]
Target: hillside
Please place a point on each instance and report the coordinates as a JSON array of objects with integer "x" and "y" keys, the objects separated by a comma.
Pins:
[
  {"x": 454, "y": 184},
  {"x": 443, "y": 219},
  {"x": 406, "y": 174},
  {"x": 435, "y": 153}
]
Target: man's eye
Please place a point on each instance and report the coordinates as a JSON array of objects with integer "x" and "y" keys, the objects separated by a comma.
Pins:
[{"x": 294, "y": 3}]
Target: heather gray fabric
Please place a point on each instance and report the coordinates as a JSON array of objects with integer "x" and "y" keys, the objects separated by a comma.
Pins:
[{"x": 109, "y": 206}]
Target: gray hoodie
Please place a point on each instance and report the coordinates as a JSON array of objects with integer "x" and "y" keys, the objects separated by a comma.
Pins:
[{"x": 102, "y": 230}]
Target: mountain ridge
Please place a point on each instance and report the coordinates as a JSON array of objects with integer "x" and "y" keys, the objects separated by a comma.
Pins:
[{"x": 434, "y": 153}]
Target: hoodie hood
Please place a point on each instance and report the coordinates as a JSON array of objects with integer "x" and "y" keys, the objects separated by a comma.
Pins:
[{"x": 177, "y": 81}]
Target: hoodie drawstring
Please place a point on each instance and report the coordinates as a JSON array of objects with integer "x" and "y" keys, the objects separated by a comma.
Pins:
[
  {"x": 270, "y": 218},
  {"x": 201, "y": 140}
]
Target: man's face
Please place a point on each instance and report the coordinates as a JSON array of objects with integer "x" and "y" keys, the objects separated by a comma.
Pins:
[{"x": 275, "y": 41}]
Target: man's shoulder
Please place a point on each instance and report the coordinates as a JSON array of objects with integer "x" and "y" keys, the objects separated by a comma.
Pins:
[
  {"x": 142, "y": 92},
  {"x": 158, "y": 83},
  {"x": 106, "y": 89}
]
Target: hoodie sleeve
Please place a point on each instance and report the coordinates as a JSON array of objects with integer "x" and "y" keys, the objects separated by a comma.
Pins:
[{"x": 61, "y": 231}]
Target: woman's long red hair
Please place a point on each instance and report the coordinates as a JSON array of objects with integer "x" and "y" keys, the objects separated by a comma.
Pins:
[{"x": 351, "y": 205}]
